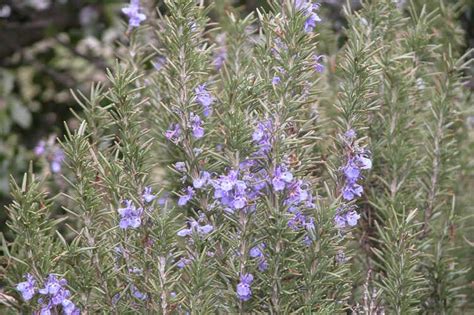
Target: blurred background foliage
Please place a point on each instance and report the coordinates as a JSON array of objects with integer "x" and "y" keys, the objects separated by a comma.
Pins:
[{"x": 48, "y": 47}]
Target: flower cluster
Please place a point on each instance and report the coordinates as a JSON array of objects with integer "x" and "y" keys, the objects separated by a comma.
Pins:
[
  {"x": 130, "y": 215},
  {"x": 53, "y": 294},
  {"x": 281, "y": 178},
  {"x": 308, "y": 9},
  {"x": 238, "y": 189},
  {"x": 194, "y": 122},
  {"x": 357, "y": 161},
  {"x": 346, "y": 216},
  {"x": 133, "y": 13},
  {"x": 244, "y": 292}
]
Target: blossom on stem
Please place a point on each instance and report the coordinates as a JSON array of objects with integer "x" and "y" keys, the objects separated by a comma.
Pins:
[
  {"x": 318, "y": 66},
  {"x": 27, "y": 288},
  {"x": 147, "y": 195},
  {"x": 195, "y": 228},
  {"x": 173, "y": 133},
  {"x": 204, "y": 98},
  {"x": 180, "y": 166},
  {"x": 133, "y": 14},
  {"x": 188, "y": 194},
  {"x": 130, "y": 216},
  {"x": 257, "y": 253},
  {"x": 346, "y": 216},
  {"x": 202, "y": 180},
  {"x": 196, "y": 126},
  {"x": 281, "y": 178},
  {"x": 308, "y": 9},
  {"x": 244, "y": 292},
  {"x": 56, "y": 294}
]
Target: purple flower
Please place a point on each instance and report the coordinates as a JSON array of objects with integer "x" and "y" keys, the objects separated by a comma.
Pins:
[
  {"x": 147, "y": 195},
  {"x": 243, "y": 288},
  {"x": 188, "y": 194},
  {"x": 340, "y": 221},
  {"x": 234, "y": 193},
  {"x": 183, "y": 262},
  {"x": 57, "y": 159},
  {"x": 281, "y": 178},
  {"x": 257, "y": 252},
  {"x": 303, "y": 5},
  {"x": 52, "y": 286},
  {"x": 136, "y": 293},
  {"x": 346, "y": 216},
  {"x": 46, "y": 309},
  {"x": 159, "y": 63},
  {"x": 352, "y": 190},
  {"x": 130, "y": 216},
  {"x": 173, "y": 133},
  {"x": 263, "y": 136},
  {"x": 27, "y": 288},
  {"x": 352, "y": 217},
  {"x": 307, "y": 240},
  {"x": 134, "y": 16},
  {"x": 311, "y": 21},
  {"x": 276, "y": 80},
  {"x": 295, "y": 222},
  {"x": 239, "y": 202},
  {"x": 116, "y": 298},
  {"x": 204, "y": 98},
  {"x": 298, "y": 193},
  {"x": 351, "y": 171},
  {"x": 40, "y": 148},
  {"x": 308, "y": 8},
  {"x": 195, "y": 227},
  {"x": 202, "y": 180},
  {"x": 318, "y": 66},
  {"x": 69, "y": 308},
  {"x": 55, "y": 290},
  {"x": 262, "y": 264},
  {"x": 350, "y": 134},
  {"x": 180, "y": 166},
  {"x": 196, "y": 126}
]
